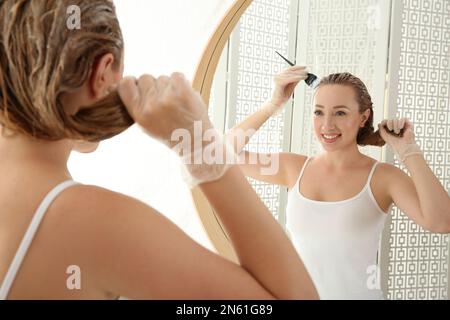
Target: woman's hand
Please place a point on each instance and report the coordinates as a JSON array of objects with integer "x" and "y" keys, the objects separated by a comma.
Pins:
[
  {"x": 404, "y": 141},
  {"x": 171, "y": 111},
  {"x": 285, "y": 83},
  {"x": 162, "y": 106}
]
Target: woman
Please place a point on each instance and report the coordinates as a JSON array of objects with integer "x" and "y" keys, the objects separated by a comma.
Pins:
[
  {"x": 119, "y": 246},
  {"x": 338, "y": 200}
]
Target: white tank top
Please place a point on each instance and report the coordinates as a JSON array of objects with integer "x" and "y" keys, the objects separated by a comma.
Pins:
[
  {"x": 338, "y": 242},
  {"x": 28, "y": 237}
]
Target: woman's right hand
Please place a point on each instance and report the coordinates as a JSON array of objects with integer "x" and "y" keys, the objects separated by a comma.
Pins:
[
  {"x": 285, "y": 83},
  {"x": 162, "y": 106}
]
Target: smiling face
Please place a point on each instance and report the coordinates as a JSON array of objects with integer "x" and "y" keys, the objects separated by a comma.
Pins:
[{"x": 337, "y": 117}]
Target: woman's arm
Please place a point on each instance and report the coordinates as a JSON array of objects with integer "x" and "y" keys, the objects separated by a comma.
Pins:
[
  {"x": 285, "y": 83},
  {"x": 421, "y": 196},
  {"x": 239, "y": 136},
  {"x": 274, "y": 168}
]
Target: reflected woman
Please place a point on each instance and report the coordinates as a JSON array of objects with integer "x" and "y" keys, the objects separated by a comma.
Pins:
[{"x": 338, "y": 201}]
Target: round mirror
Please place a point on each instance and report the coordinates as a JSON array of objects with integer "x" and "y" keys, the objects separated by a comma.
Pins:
[
  {"x": 380, "y": 42},
  {"x": 236, "y": 71}
]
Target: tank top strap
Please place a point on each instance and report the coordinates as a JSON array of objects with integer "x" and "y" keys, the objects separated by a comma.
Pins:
[
  {"x": 29, "y": 235},
  {"x": 301, "y": 173},
  {"x": 372, "y": 172}
]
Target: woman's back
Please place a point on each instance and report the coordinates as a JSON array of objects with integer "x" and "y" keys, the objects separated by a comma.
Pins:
[{"x": 58, "y": 240}]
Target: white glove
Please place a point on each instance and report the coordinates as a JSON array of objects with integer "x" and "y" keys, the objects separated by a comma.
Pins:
[
  {"x": 208, "y": 163},
  {"x": 403, "y": 142},
  {"x": 169, "y": 110},
  {"x": 285, "y": 83}
]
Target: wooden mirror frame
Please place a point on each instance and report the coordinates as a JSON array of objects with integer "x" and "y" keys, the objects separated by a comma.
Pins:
[{"x": 202, "y": 82}]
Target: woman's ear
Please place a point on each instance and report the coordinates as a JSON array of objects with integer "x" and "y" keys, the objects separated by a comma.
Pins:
[
  {"x": 365, "y": 117},
  {"x": 102, "y": 76}
]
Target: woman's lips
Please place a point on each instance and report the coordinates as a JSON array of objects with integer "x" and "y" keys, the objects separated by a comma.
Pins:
[{"x": 330, "y": 138}]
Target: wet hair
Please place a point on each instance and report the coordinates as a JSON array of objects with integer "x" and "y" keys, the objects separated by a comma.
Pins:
[
  {"x": 366, "y": 135},
  {"x": 41, "y": 58}
]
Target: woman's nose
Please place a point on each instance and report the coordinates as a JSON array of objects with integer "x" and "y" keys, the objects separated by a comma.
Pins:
[{"x": 328, "y": 123}]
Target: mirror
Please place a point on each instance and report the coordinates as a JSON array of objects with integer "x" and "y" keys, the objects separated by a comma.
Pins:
[{"x": 400, "y": 50}]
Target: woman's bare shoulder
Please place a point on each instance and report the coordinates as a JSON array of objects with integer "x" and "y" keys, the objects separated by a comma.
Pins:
[
  {"x": 91, "y": 215},
  {"x": 387, "y": 175},
  {"x": 91, "y": 197},
  {"x": 293, "y": 164},
  {"x": 95, "y": 221},
  {"x": 294, "y": 158},
  {"x": 96, "y": 206},
  {"x": 388, "y": 170}
]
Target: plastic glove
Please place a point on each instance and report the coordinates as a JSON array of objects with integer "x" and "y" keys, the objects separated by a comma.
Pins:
[
  {"x": 169, "y": 110},
  {"x": 285, "y": 83},
  {"x": 404, "y": 145}
]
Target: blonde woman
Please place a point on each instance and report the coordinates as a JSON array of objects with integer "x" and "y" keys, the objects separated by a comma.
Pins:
[
  {"x": 338, "y": 201},
  {"x": 50, "y": 225}
]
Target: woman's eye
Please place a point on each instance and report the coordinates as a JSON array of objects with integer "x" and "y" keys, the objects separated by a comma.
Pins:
[
  {"x": 317, "y": 113},
  {"x": 340, "y": 113}
]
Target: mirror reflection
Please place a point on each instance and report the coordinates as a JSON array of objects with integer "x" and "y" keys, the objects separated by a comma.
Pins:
[{"x": 365, "y": 206}]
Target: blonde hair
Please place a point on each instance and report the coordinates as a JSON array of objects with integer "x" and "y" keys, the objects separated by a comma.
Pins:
[
  {"x": 366, "y": 135},
  {"x": 41, "y": 58}
]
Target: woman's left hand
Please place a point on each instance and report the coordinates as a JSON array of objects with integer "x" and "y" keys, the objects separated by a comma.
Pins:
[
  {"x": 397, "y": 131},
  {"x": 399, "y": 134}
]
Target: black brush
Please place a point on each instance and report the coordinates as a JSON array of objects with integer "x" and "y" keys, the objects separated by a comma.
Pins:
[{"x": 312, "y": 80}]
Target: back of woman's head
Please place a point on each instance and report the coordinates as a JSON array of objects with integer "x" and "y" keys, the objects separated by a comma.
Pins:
[
  {"x": 366, "y": 135},
  {"x": 41, "y": 58}
]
